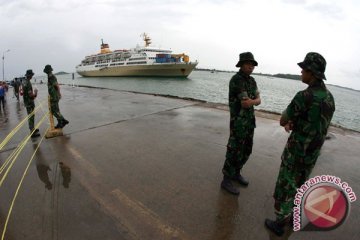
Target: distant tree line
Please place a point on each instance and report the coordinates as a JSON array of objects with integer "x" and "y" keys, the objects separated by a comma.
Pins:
[
  {"x": 281, "y": 75},
  {"x": 212, "y": 70},
  {"x": 288, "y": 76},
  {"x": 278, "y": 75},
  {"x": 61, "y": 73}
]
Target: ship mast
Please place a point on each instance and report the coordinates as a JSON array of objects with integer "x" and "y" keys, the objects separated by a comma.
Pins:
[{"x": 146, "y": 39}]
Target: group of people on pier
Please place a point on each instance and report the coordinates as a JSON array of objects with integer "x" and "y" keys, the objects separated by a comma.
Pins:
[{"x": 24, "y": 87}]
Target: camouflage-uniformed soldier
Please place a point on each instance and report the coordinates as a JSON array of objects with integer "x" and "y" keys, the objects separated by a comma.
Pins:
[
  {"x": 55, "y": 95},
  {"x": 308, "y": 116},
  {"x": 29, "y": 95},
  {"x": 243, "y": 95},
  {"x": 16, "y": 88}
]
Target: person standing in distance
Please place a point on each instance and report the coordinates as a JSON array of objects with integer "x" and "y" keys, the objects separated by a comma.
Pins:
[
  {"x": 2, "y": 95},
  {"x": 243, "y": 96},
  {"x": 308, "y": 116},
  {"x": 29, "y": 96},
  {"x": 55, "y": 96},
  {"x": 16, "y": 88}
]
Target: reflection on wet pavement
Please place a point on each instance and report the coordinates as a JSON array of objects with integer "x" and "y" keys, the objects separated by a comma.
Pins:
[{"x": 133, "y": 166}]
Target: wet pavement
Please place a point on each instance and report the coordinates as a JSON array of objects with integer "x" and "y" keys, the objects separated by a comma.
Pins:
[{"x": 136, "y": 166}]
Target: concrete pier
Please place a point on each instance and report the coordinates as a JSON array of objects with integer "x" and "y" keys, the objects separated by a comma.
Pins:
[{"x": 137, "y": 166}]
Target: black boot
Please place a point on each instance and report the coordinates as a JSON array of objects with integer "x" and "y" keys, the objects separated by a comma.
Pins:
[
  {"x": 35, "y": 134},
  {"x": 228, "y": 186},
  {"x": 241, "y": 180},
  {"x": 64, "y": 122},
  {"x": 275, "y": 226}
]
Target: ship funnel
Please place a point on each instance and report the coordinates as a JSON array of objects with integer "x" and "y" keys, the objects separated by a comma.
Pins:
[{"x": 104, "y": 48}]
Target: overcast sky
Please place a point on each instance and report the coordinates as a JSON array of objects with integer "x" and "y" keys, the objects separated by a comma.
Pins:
[{"x": 214, "y": 32}]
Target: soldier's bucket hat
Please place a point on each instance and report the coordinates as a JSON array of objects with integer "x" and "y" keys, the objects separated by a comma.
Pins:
[
  {"x": 29, "y": 72},
  {"x": 315, "y": 63},
  {"x": 246, "y": 56},
  {"x": 47, "y": 68}
]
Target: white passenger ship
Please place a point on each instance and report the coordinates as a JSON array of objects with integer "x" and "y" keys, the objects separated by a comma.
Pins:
[{"x": 140, "y": 61}]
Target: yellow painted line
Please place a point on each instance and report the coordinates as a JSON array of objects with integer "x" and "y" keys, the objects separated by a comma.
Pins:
[
  {"x": 99, "y": 193},
  {"x": 18, "y": 148},
  {"x": 149, "y": 216},
  {"x": 41, "y": 106},
  {"x": 11, "y": 134},
  {"x": 132, "y": 217},
  {"x": 85, "y": 163},
  {"x": 18, "y": 188},
  {"x": 14, "y": 155},
  {"x": 16, "y": 129}
]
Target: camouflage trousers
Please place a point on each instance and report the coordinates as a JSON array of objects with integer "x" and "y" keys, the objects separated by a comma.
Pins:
[
  {"x": 290, "y": 178},
  {"x": 239, "y": 148},
  {"x": 54, "y": 108},
  {"x": 2, "y": 102},
  {"x": 29, "y": 109}
]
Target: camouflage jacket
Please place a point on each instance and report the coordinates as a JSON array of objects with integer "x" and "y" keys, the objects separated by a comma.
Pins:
[
  {"x": 242, "y": 85},
  {"x": 52, "y": 89},
  {"x": 310, "y": 111},
  {"x": 27, "y": 91},
  {"x": 16, "y": 85}
]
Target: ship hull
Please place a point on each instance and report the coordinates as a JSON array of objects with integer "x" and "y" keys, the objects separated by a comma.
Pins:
[{"x": 153, "y": 70}]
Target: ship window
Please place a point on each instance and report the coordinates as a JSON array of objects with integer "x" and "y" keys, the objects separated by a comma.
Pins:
[
  {"x": 140, "y": 62},
  {"x": 134, "y": 59},
  {"x": 116, "y": 64},
  {"x": 101, "y": 65}
]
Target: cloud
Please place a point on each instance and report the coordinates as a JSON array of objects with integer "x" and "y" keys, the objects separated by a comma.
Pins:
[
  {"x": 294, "y": 1},
  {"x": 328, "y": 10},
  {"x": 279, "y": 32}
]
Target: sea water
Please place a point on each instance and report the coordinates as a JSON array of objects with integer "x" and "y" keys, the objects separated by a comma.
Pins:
[{"x": 276, "y": 93}]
